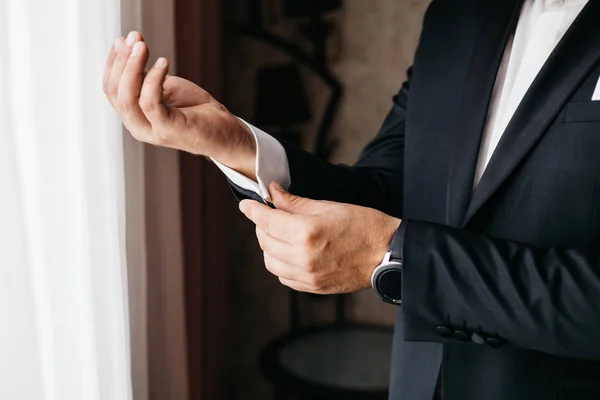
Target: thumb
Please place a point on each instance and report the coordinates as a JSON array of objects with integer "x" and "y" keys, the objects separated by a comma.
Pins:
[{"x": 284, "y": 200}]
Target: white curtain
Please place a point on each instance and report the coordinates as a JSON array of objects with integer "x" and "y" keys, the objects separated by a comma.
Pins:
[{"x": 64, "y": 323}]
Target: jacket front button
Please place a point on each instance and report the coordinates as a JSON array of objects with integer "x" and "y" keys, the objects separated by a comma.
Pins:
[{"x": 444, "y": 331}]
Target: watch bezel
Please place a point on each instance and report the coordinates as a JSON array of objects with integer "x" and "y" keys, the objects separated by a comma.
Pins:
[{"x": 378, "y": 273}]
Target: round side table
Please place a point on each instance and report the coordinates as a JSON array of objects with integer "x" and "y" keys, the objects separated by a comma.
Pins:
[{"x": 350, "y": 361}]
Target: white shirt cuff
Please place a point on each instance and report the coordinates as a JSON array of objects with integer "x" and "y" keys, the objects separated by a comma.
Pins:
[{"x": 271, "y": 165}]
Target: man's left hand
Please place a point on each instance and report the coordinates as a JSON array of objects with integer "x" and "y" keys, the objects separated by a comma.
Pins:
[{"x": 320, "y": 247}]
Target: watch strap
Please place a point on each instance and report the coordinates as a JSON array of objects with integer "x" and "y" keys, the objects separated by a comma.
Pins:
[{"x": 396, "y": 248}]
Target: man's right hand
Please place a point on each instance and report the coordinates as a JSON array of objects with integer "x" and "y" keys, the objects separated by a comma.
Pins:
[{"x": 173, "y": 112}]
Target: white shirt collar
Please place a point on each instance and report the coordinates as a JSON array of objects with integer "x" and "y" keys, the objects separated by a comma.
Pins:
[{"x": 559, "y": 4}]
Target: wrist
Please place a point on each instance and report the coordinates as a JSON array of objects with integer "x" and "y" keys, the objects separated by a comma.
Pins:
[
  {"x": 386, "y": 278},
  {"x": 388, "y": 229},
  {"x": 240, "y": 155}
]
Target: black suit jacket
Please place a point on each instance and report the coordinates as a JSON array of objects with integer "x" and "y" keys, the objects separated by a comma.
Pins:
[{"x": 501, "y": 285}]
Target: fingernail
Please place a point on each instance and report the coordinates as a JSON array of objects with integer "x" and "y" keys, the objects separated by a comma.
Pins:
[
  {"x": 137, "y": 49},
  {"x": 161, "y": 63},
  {"x": 118, "y": 43},
  {"x": 242, "y": 205},
  {"x": 131, "y": 38}
]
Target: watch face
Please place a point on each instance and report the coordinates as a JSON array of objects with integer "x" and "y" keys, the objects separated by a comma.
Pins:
[
  {"x": 390, "y": 284},
  {"x": 387, "y": 282}
]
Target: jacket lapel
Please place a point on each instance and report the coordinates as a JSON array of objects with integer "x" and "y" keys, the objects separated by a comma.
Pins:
[
  {"x": 569, "y": 64},
  {"x": 501, "y": 22}
]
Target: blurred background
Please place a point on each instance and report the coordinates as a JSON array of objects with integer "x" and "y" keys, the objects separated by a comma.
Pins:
[{"x": 367, "y": 47}]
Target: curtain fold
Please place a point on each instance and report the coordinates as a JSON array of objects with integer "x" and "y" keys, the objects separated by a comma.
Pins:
[
  {"x": 154, "y": 241},
  {"x": 63, "y": 269}
]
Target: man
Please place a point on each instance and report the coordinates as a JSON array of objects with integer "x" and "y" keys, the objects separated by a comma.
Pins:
[{"x": 486, "y": 175}]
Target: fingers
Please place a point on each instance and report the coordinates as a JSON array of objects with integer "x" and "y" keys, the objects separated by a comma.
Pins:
[
  {"x": 277, "y": 249},
  {"x": 112, "y": 55},
  {"x": 286, "y": 201},
  {"x": 123, "y": 52},
  {"x": 275, "y": 223},
  {"x": 289, "y": 275},
  {"x": 280, "y": 268},
  {"x": 130, "y": 87},
  {"x": 151, "y": 101}
]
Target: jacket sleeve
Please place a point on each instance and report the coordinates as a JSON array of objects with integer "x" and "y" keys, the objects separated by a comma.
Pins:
[
  {"x": 463, "y": 286},
  {"x": 375, "y": 181}
]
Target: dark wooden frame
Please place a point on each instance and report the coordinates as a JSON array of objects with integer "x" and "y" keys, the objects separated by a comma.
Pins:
[{"x": 204, "y": 197}]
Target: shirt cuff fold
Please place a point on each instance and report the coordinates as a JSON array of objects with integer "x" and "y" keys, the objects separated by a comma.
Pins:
[{"x": 271, "y": 165}]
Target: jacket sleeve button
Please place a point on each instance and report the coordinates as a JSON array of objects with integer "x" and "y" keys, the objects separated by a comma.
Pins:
[
  {"x": 477, "y": 338},
  {"x": 494, "y": 342},
  {"x": 444, "y": 331}
]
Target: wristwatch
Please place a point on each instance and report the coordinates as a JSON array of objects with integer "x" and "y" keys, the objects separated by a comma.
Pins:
[{"x": 387, "y": 276}]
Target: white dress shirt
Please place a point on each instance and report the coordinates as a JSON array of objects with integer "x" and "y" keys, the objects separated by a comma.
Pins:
[{"x": 541, "y": 26}]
